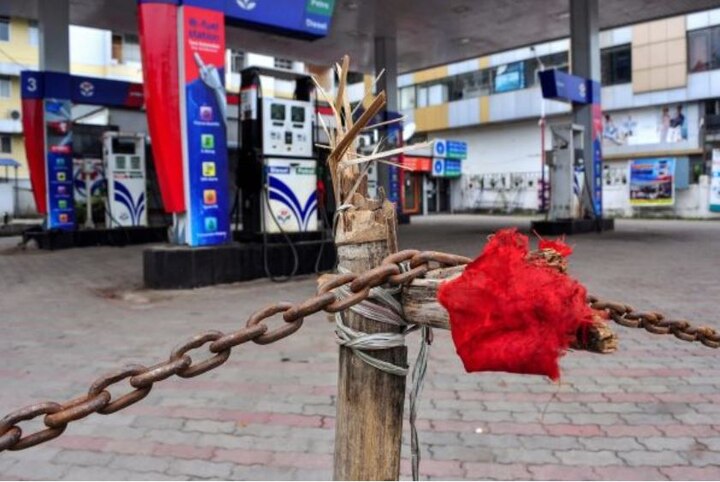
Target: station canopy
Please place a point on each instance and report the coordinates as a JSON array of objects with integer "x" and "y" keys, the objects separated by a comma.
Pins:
[{"x": 428, "y": 32}]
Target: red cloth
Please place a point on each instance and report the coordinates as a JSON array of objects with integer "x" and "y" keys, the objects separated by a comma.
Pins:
[{"x": 511, "y": 315}]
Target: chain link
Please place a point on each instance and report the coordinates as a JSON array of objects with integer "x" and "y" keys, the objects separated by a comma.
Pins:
[
  {"x": 654, "y": 322},
  {"x": 396, "y": 270}
]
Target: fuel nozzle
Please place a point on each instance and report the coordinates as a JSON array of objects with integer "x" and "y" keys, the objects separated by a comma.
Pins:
[{"x": 210, "y": 76}]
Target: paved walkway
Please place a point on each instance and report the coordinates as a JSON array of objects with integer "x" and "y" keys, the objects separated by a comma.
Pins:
[{"x": 649, "y": 411}]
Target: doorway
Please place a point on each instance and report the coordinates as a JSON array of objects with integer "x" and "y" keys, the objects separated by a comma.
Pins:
[{"x": 438, "y": 195}]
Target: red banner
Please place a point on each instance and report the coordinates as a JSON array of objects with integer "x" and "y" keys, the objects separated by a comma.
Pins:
[
  {"x": 417, "y": 164},
  {"x": 33, "y": 120},
  {"x": 159, "y": 45}
]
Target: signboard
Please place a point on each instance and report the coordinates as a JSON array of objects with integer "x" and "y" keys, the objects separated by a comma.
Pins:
[
  {"x": 652, "y": 182},
  {"x": 449, "y": 149},
  {"x": 59, "y": 167},
  {"x": 94, "y": 91},
  {"x": 558, "y": 85},
  {"x": 417, "y": 164},
  {"x": 203, "y": 112},
  {"x": 446, "y": 167},
  {"x": 667, "y": 124},
  {"x": 299, "y": 18},
  {"x": 509, "y": 77},
  {"x": 438, "y": 167},
  {"x": 715, "y": 182}
]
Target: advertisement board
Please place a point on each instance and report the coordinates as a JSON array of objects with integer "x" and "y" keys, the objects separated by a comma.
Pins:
[
  {"x": 59, "y": 168},
  {"x": 668, "y": 124},
  {"x": 446, "y": 167},
  {"x": 448, "y": 149},
  {"x": 715, "y": 182},
  {"x": 652, "y": 182},
  {"x": 509, "y": 77},
  {"x": 203, "y": 113},
  {"x": 300, "y": 18}
]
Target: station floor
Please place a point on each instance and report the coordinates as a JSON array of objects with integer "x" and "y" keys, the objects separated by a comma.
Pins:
[{"x": 649, "y": 411}]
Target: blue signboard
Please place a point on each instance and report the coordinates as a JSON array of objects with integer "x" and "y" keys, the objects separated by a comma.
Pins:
[
  {"x": 111, "y": 93},
  {"x": 206, "y": 189},
  {"x": 59, "y": 164},
  {"x": 453, "y": 167},
  {"x": 456, "y": 150},
  {"x": 446, "y": 167},
  {"x": 449, "y": 149},
  {"x": 559, "y": 85},
  {"x": 509, "y": 77},
  {"x": 303, "y": 18}
]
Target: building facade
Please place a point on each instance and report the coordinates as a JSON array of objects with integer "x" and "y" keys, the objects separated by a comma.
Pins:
[{"x": 660, "y": 99}]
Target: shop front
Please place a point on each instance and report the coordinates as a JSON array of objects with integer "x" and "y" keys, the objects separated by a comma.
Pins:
[{"x": 412, "y": 182}]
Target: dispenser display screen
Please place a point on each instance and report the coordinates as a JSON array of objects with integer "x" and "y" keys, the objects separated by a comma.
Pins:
[
  {"x": 277, "y": 112},
  {"x": 297, "y": 114}
]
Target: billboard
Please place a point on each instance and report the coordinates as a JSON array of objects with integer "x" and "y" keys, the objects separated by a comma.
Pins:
[
  {"x": 509, "y": 77},
  {"x": 667, "y": 124},
  {"x": 652, "y": 182},
  {"x": 203, "y": 126},
  {"x": 299, "y": 18}
]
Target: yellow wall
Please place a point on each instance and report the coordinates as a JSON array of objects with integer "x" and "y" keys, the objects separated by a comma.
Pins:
[
  {"x": 432, "y": 118},
  {"x": 659, "y": 55},
  {"x": 430, "y": 74},
  {"x": 19, "y": 46},
  {"x": 12, "y": 103}
]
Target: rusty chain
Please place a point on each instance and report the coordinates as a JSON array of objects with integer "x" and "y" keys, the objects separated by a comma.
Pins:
[
  {"x": 654, "y": 322},
  {"x": 397, "y": 269}
]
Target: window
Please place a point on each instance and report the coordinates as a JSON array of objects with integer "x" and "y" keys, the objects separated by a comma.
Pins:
[
  {"x": 422, "y": 96},
  {"x": 5, "y": 145},
  {"x": 434, "y": 93},
  {"x": 237, "y": 61},
  {"x": 286, "y": 64},
  {"x": 616, "y": 65},
  {"x": 33, "y": 32},
  {"x": 125, "y": 48},
  {"x": 469, "y": 85},
  {"x": 704, "y": 49},
  {"x": 407, "y": 97},
  {"x": 437, "y": 94},
  {"x": 5, "y": 87},
  {"x": 4, "y": 29}
]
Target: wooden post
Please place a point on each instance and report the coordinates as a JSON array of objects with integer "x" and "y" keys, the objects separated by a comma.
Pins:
[{"x": 368, "y": 426}]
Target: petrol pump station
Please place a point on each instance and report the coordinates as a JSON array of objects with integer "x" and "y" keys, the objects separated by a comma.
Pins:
[
  {"x": 47, "y": 101},
  {"x": 575, "y": 195}
]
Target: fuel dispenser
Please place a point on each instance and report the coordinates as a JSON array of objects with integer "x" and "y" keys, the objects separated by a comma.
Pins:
[
  {"x": 566, "y": 172},
  {"x": 278, "y": 165},
  {"x": 126, "y": 177}
]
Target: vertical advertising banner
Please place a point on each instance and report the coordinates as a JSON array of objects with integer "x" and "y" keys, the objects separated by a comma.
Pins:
[
  {"x": 33, "y": 115},
  {"x": 652, "y": 182},
  {"x": 715, "y": 182},
  {"x": 59, "y": 167},
  {"x": 203, "y": 107},
  {"x": 597, "y": 133}
]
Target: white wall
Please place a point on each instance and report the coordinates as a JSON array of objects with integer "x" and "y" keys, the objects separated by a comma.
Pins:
[
  {"x": 90, "y": 46},
  {"x": 501, "y": 148}
]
